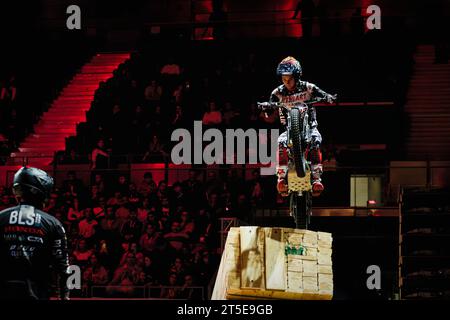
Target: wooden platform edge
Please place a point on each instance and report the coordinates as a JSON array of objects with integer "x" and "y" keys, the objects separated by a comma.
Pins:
[{"x": 249, "y": 294}]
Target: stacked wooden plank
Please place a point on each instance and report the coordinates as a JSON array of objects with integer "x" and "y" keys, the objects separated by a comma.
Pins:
[{"x": 280, "y": 263}]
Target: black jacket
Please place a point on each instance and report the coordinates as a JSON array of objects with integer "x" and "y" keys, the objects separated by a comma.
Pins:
[{"x": 32, "y": 245}]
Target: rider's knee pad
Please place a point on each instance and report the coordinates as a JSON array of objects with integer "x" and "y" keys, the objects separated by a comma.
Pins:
[
  {"x": 284, "y": 158},
  {"x": 315, "y": 155},
  {"x": 316, "y": 172}
]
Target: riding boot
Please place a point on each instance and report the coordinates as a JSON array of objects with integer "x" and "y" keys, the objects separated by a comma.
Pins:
[{"x": 317, "y": 186}]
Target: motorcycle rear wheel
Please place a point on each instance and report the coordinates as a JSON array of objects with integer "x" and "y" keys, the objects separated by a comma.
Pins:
[{"x": 301, "y": 209}]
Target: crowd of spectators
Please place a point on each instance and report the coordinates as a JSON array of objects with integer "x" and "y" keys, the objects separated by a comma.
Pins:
[{"x": 125, "y": 236}]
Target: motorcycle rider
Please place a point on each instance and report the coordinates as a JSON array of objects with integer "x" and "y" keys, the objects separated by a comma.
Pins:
[
  {"x": 32, "y": 242},
  {"x": 291, "y": 92}
]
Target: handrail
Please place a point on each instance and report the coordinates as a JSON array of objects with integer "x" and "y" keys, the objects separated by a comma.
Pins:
[{"x": 147, "y": 289}]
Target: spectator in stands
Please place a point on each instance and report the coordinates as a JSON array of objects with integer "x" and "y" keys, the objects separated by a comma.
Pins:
[
  {"x": 151, "y": 240},
  {"x": 8, "y": 92},
  {"x": 152, "y": 218},
  {"x": 138, "y": 123},
  {"x": 230, "y": 115},
  {"x": 5, "y": 201},
  {"x": 72, "y": 157},
  {"x": 99, "y": 208},
  {"x": 212, "y": 117},
  {"x": 133, "y": 94},
  {"x": 87, "y": 226},
  {"x": 162, "y": 192},
  {"x": 115, "y": 200},
  {"x": 122, "y": 213},
  {"x": 153, "y": 93},
  {"x": 74, "y": 214},
  {"x": 155, "y": 152},
  {"x": 148, "y": 185},
  {"x": 202, "y": 222},
  {"x": 132, "y": 228},
  {"x": 215, "y": 209},
  {"x": 187, "y": 291},
  {"x": 4, "y": 147},
  {"x": 177, "y": 197},
  {"x": 151, "y": 271},
  {"x": 307, "y": 9},
  {"x": 13, "y": 130},
  {"x": 179, "y": 119},
  {"x": 143, "y": 210},
  {"x": 129, "y": 248},
  {"x": 99, "y": 156},
  {"x": 187, "y": 225},
  {"x": 72, "y": 185},
  {"x": 213, "y": 183},
  {"x": 242, "y": 209},
  {"x": 95, "y": 274},
  {"x": 51, "y": 206},
  {"x": 176, "y": 238},
  {"x": 95, "y": 195},
  {"x": 177, "y": 267},
  {"x": 170, "y": 292},
  {"x": 204, "y": 269},
  {"x": 133, "y": 195},
  {"x": 82, "y": 253},
  {"x": 157, "y": 122},
  {"x": 100, "y": 183},
  {"x": 256, "y": 188},
  {"x": 193, "y": 189},
  {"x": 122, "y": 185},
  {"x": 125, "y": 277},
  {"x": 109, "y": 225},
  {"x": 117, "y": 129},
  {"x": 253, "y": 116},
  {"x": 177, "y": 95},
  {"x": 171, "y": 68}
]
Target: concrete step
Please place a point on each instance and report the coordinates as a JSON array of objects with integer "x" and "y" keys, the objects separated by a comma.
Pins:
[
  {"x": 65, "y": 112},
  {"x": 65, "y": 125},
  {"x": 33, "y": 153},
  {"x": 59, "y": 131},
  {"x": 78, "y": 99},
  {"x": 72, "y": 105},
  {"x": 86, "y": 94},
  {"x": 57, "y": 139},
  {"x": 42, "y": 146},
  {"x": 41, "y": 162},
  {"x": 91, "y": 76}
]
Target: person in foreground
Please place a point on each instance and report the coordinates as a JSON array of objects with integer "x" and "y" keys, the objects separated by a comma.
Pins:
[{"x": 33, "y": 244}]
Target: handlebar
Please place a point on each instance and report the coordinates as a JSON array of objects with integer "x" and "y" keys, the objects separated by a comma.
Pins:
[{"x": 275, "y": 105}]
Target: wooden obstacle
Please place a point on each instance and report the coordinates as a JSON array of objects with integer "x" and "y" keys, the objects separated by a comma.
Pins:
[{"x": 275, "y": 263}]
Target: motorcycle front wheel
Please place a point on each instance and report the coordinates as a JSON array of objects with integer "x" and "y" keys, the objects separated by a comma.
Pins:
[{"x": 296, "y": 136}]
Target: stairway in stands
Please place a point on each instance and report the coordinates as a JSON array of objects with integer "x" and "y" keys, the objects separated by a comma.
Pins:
[
  {"x": 66, "y": 111},
  {"x": 428, "y": 108}
]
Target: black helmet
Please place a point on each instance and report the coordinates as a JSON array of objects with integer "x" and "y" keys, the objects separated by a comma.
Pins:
[
  {"x": 290, "y": 66},
  {"x": 32, "y": 184}
]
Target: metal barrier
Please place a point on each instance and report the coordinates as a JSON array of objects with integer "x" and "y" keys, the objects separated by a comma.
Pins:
[
  {"x": 148, "y": 292},
  {"x": 345, "y": 186}
]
